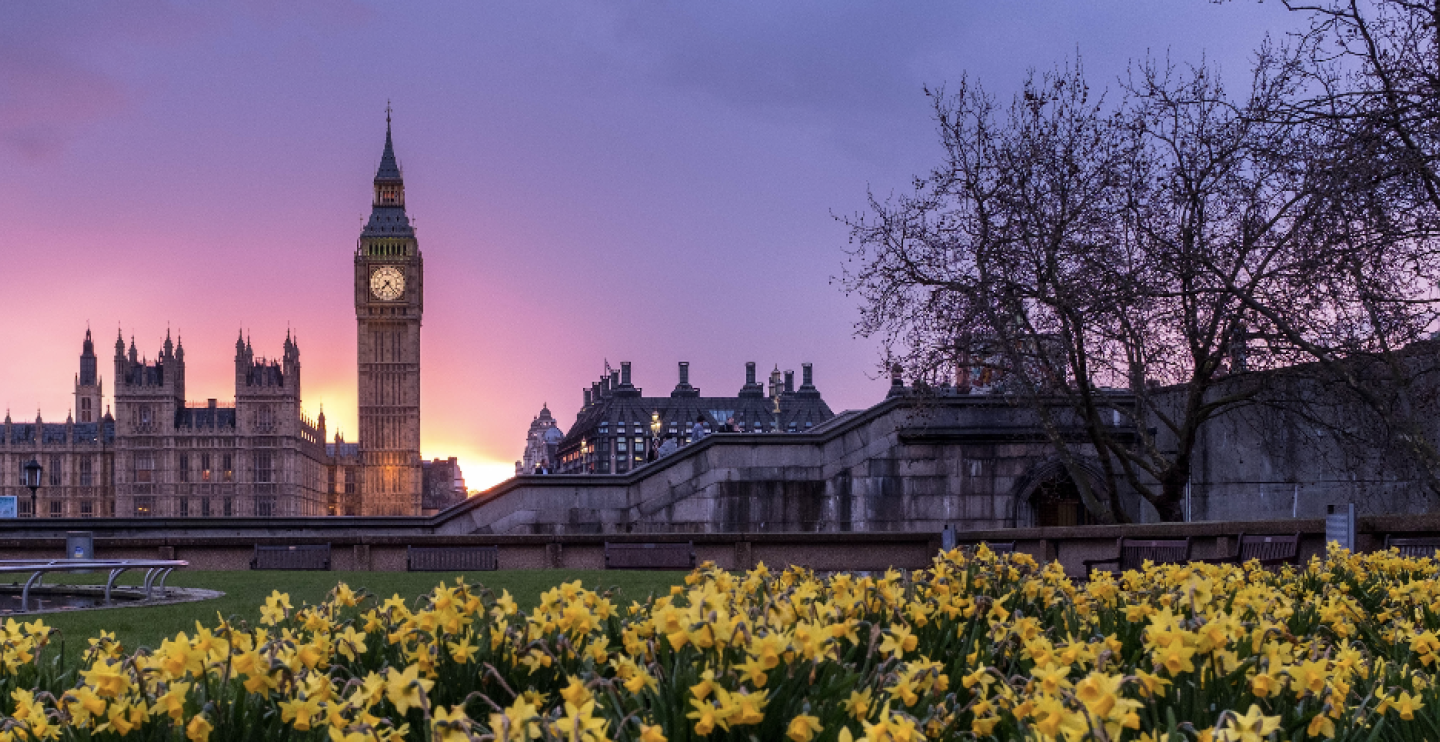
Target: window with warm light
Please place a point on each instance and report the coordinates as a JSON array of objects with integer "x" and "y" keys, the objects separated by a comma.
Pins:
[{"x": 144, "y": 467}]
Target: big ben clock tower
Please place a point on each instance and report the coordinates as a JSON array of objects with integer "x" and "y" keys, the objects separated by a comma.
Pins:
[{"x": 389, "y": 299}]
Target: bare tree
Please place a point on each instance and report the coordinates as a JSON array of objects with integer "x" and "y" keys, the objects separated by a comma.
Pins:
[
  {"x": 1365, "y": 90},
  {"x": 1101, "y": 257},
  {"x": 1177, "y": 253},
  {"x": 1373, "y": 74}
]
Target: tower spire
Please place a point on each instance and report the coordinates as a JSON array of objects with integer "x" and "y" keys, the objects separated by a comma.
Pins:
[
  {"x": 389, "y": 168},
  {"x": 387, "y": 214}
]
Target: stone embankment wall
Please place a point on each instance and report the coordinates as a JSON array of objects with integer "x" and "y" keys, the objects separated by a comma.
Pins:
[{"x": 902, "y": 465}]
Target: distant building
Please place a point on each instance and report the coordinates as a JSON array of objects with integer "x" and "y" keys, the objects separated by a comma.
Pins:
[
  {"x": 161, "y": 455},
  {"x": 78, "y": 456},
  {"x": 613, "y": 429},
  {"x": 342, "y": 477},
  {"x": 444, "y": 485},
  {"x": 542, "y": 445}
]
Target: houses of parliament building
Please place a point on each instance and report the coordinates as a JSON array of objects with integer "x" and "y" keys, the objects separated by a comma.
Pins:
[{"x": 158, "y": 455}]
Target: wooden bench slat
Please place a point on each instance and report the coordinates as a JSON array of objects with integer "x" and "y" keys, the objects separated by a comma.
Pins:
[
  {"x": 997, "y": 547},
  {"x": 650, "y": 555},
  {"x": 1414, "y": 546},
  {"x": 1132, "y": 553},
  {"x": 299, "y": 557},
  {"x": 452, "y": 558},
  {"x": 1269, "y": 550}
]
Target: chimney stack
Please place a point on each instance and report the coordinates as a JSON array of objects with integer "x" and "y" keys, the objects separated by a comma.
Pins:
[
  {"x": 586, "y": 392},
  {"x": 683, "y": 389},
  {"x": 807, "y": 376},
  {"x": 625, "y": 374},
  {"x": 751, "y": 389},
  {"x": 897, "y": 384},
  {"x": 789, "y": 382}
]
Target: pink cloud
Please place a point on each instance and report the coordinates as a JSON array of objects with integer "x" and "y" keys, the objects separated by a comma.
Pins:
[{"x": 49, "y": 99}]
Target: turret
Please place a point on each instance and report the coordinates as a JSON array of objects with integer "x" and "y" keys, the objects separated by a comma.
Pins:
[
  {"x": 88, "y": 392},
  {"x": 147, "y": 395},
  {"x": 291, "y": 360}
]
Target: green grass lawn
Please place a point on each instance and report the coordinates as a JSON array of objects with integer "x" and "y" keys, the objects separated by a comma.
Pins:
[{"x": 245, "y": 592}]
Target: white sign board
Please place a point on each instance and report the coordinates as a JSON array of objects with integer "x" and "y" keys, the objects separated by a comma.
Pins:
[{"x": 8, "y": 509}]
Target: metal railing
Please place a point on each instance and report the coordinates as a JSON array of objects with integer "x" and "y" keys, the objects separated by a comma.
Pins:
[{"x": 156, "y": 572}]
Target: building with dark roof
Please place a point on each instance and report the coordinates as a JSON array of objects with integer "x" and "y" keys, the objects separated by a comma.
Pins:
[{"x": 617, "y": 424}]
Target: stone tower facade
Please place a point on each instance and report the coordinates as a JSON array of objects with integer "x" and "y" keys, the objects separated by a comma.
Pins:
[
  {"x": 389, "y": 301},
  {"x": 259, "y": 456},
  {"x": 88, "y": 391}
]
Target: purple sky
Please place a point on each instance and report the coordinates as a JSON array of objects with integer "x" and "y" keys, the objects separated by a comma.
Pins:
[{"x": 650, "y": 182}]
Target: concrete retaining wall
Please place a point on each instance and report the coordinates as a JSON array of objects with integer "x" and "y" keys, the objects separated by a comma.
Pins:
[{"x": 821, "y": 551}]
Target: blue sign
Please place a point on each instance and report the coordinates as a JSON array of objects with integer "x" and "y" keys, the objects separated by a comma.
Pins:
[{"x": 8, "y": 509}]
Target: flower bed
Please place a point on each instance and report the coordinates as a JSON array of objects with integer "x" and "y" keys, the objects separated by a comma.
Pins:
[{"x": 979, "y": 646}]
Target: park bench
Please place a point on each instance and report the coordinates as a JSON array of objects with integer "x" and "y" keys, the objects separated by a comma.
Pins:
[
  {"x": 650, "y": 556},
  {"x": 1134, "y": 552},
  {"x": 306, "y": 556},
  {"x": 1413, "y": 546},
  {"x": 452, "y": 558},
  {"x": 998, "y": 547},
  {"x": 1271, "y": 551}
]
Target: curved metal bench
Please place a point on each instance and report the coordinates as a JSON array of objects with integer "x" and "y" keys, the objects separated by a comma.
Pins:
[{"x": 156, "y": 572}]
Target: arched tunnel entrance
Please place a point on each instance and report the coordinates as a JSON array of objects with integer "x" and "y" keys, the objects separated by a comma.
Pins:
[
  {"x": 1048, "y": 497},
  {"x": 1057, "y": 502}
]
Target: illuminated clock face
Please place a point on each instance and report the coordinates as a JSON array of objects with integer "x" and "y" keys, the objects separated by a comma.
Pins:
[{"x": 387, "y": 283}]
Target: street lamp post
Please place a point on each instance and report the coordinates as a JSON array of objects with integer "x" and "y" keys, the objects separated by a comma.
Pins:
[
  {"x": 32, "y": 470},
  {"x": 655, "y": 434}
]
